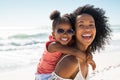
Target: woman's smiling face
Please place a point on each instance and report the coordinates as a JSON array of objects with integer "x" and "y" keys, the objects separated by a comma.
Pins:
[{"x": 85, "y": 29}]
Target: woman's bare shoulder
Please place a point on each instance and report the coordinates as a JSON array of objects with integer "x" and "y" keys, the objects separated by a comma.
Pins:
[
  {"x": 69, "y": 59},
  {"x": 68, "y": 64}
]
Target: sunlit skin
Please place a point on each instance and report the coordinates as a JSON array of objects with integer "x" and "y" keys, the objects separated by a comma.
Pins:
[
  {"x": 63, "y": 38},
  {"x": 85, "y": 31},
  {"x": 85, "y": 34}
]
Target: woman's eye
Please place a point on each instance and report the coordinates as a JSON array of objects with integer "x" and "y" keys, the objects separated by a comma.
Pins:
[{"x": 91, "y": 25}]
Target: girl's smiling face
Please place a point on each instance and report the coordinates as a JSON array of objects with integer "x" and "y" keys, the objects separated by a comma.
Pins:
[
  {"x": 85, "y": 29},
  {"x": 63, "y": 33}
]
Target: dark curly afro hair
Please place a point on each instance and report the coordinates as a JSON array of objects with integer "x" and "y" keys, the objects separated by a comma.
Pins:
[{"x": 102, "y": 27}]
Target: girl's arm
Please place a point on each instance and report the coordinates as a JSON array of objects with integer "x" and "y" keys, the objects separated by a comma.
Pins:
[{"x": 55, "y": 46}]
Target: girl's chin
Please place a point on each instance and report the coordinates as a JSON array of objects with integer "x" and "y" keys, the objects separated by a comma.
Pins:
[{"x": 64, "y": 43}]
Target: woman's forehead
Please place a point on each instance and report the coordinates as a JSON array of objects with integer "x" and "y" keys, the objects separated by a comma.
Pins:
[{"x": 84, "y": 17}]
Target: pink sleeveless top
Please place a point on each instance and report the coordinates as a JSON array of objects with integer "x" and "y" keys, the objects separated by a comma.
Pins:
[{"x": 48, "y": 61}]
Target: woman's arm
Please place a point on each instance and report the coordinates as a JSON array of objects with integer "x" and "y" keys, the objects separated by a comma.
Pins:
[{"x": 91, "y": 61}]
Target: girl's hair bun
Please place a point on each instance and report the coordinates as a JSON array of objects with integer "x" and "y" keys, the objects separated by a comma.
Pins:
[{"x": 54, "y": 15}]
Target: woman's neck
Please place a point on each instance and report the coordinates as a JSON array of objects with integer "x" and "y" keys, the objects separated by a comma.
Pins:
[{"x": 81, "y": 47}]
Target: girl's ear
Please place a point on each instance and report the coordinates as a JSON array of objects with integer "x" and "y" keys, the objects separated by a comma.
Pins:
[{"x": 53, "y": 34}]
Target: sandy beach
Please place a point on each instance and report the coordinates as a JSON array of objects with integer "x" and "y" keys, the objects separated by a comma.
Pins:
[
  {"x": 26, "y": 73},
  {"x": 108, "y": 68}
]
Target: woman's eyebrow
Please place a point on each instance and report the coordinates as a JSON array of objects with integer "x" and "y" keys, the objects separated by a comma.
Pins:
[
  {"x": 92, "y": 21},
  {"x": 81, "y": 21}
]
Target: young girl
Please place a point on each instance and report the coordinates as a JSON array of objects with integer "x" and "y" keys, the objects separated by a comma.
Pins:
[{"x": 58, "y": 44}]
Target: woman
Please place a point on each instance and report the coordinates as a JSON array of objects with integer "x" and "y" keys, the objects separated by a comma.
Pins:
[{"x": 91, "y": 33}]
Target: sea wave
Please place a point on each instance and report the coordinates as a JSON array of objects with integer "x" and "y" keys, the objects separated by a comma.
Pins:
[
  {"x": 24, "y": 36},
  {"x": 22, "y": 41},
  {"x": 115, "y": 28}
]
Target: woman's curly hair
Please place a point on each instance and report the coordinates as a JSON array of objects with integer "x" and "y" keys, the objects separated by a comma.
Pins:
[{"x": 102, "y": 27}]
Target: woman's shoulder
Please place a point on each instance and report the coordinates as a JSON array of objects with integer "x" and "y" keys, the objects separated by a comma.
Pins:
[
  {"x": 69, "y": 60},
  {"x": 68, "y": 64}
]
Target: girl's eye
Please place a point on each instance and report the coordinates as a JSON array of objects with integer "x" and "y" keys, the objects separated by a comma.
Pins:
[{"x": 81, "y": 25}]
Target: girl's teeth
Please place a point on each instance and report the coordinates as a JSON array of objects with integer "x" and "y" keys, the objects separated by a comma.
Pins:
[{"x": 64, "y": 39}]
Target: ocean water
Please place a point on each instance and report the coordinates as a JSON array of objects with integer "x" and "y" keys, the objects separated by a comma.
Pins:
[{"x": 21, "y": 47}]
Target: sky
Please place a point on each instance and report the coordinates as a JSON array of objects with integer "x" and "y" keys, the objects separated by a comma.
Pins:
[{"x": 26, "y": 13}]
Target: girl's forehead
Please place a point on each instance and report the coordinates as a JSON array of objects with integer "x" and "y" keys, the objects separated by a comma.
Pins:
[{"x": 63, "y": 25}]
